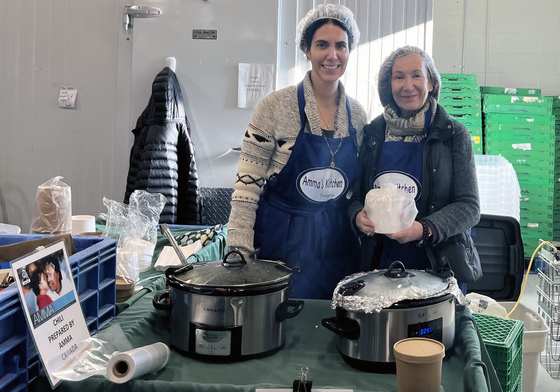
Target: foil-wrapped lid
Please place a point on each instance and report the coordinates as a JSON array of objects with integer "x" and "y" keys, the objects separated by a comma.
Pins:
[{"x": 373, "y": 291}]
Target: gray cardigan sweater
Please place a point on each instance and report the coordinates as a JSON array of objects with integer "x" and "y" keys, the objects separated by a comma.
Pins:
[{"x": 267, "y": 146}]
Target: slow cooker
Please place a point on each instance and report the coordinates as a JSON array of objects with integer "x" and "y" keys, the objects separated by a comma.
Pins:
[
  {"x": 228, "y": 309},
  {"x": 376, "y": 309}
]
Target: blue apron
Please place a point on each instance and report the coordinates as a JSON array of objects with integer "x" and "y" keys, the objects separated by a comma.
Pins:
[
  {"x": 302, "y": 215},
  {"x": 403, "y": 161}
]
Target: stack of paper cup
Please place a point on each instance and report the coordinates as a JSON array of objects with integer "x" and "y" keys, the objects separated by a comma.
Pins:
[
  {"x": 83, "y": 224},
  {"x": 53, "y": 210},
  {"x": 145, "y": 251},
  {"x": 127, "y": 265}
]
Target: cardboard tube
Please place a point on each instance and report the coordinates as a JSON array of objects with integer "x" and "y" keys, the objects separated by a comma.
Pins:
[{"x": 123, "y": 367}]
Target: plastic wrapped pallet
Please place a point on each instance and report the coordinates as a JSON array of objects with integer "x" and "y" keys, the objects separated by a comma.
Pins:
[{"x": 498, "y": 186}]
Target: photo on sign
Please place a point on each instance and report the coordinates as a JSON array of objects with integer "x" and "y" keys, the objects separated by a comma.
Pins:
[
  {"x": 46, "y": 287},
  {"x": 51, "y": 306}
]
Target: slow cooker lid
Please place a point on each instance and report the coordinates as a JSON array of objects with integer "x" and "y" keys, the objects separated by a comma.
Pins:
[
  {"x": 241, "y": 273},
  {"x": 376, "y": 290}
]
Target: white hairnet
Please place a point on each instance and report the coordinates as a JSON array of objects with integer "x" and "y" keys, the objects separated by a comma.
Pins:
[{"x": 329, "y": 11}]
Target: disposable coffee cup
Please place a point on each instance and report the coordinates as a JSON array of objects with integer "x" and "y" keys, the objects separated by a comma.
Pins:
[
  {"x": 419, "y": 362},
  {"x": 83, "y": 224}
]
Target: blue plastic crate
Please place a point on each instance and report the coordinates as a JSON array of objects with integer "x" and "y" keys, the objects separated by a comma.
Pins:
[{"x": 94, "y": 270}]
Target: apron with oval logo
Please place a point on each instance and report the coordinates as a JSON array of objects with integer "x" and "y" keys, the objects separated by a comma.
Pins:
[
  {"x": 400, "y": 165},
  {"x": 302, "y": 215}
]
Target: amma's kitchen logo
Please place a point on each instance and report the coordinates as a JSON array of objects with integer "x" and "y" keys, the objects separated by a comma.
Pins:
[{"x": 322, "y": 184}]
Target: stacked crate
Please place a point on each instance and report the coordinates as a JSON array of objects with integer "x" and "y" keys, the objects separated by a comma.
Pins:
[
  {"x": 556, "y": 207},
  {"x": 460, "y": 96},
  {"x": 518, "y": 124},
  {"x": 503, "y": 339}
]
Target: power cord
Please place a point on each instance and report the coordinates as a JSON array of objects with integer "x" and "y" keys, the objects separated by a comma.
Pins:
[{"x": 556, "y": 257}]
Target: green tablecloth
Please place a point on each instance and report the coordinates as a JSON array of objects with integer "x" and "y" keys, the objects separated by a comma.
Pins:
[{"x": 308, "y": 343}]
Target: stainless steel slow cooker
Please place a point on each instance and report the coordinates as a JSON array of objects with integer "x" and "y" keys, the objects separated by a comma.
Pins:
[
  {"x": 228, "y": 309},
  {"x": 374, "y": 310}
]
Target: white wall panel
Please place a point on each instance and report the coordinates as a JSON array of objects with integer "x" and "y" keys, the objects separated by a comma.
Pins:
[
  {"x": 45, "y": 45},
  {"x": 508, "y": 43}
]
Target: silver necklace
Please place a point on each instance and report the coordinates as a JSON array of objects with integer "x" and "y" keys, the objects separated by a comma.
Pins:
[
  {"x": 334, "y": 127},
  {"x": 330, "y": 149}
]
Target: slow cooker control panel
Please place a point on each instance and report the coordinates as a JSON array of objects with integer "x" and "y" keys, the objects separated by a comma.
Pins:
[
  {"x": 428, "y": 329},
  {"x": 215, "y": 341}
]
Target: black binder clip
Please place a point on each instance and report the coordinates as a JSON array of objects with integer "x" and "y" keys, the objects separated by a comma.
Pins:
[{"x": 303, "y": 384}]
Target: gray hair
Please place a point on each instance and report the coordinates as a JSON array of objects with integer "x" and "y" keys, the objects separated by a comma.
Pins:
[
  {"x": 339, "y": 13},
  {"x": 386, "y": 71}
]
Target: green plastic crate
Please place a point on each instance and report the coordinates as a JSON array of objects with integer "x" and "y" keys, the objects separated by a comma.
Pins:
[
  {"x": 451, "y": 88},
  {"x": 519, "y": 127},
  {"x": 458, "y": 78},
  {"x": 462, "y": 110},
  {"x": 508, "y": 108},
  {"x": 510, "y": 90},
  {"x": 520, "y": 136},
  {"x": 469, "y": 95},
  {"x": 449, "y": 104},
  {"x": 518, "y": 118},
  {"x": 503, "y": 146},
  {"x": 517, "y": 100},
  {"x": 470, "y": 121},
  {"x": 503, "y": 339}
]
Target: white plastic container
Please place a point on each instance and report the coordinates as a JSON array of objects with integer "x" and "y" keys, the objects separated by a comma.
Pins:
[{"x": 535, "y": 331}]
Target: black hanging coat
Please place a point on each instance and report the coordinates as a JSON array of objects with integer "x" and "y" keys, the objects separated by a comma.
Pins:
[{"x": 162, "y": 156}]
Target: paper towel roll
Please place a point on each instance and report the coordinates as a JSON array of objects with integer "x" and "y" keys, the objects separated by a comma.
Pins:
[
  {"x": 124, "y": 366},
  {"x": 83, "y": 224},
  {"x": 53, "y": 210}
]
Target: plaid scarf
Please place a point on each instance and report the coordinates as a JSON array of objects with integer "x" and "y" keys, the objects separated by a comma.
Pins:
[{"x": 409, "y": 129}]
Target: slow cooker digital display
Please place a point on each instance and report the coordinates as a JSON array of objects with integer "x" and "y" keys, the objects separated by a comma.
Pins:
[{"x": 428, "y": 329}]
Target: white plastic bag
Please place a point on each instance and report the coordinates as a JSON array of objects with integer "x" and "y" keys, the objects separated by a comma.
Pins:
[{"x": 390, "y": 209}]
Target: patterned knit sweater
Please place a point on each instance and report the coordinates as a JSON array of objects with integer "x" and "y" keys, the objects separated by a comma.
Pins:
[{"x": 267, "y": 145}]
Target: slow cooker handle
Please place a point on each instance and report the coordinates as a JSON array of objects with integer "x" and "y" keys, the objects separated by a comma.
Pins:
[
  {"x": 351, "y": 287},
  {"x": 282, "y": 312},
  {"x": 161, "y": 300},
  {"x": 343, "y": 326},
  {"x": 396, "y": 270}
]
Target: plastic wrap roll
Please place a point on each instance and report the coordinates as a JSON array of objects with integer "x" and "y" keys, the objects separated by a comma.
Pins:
[{"x": 124, "y": 366}]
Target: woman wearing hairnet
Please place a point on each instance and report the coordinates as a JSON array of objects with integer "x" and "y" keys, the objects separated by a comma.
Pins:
[
  {"x": 416, "y": 146},
  {"x": 298, "y": 159}
]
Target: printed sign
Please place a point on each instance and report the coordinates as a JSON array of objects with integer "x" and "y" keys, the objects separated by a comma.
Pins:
[
  {"x": 322, "y": 184},
  {"x": 51, "y": 306},
  {"x": 255, "y": 82}
]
